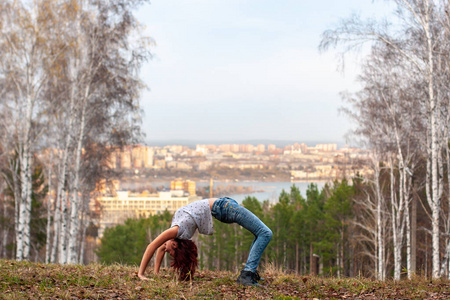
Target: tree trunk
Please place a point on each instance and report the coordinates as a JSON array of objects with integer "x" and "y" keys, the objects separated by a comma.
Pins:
[
  {"x": 278, "y": 248},
  {"x": 338, "y": 260},
  {"x": 62, "y": 247},
  {"x": 413, "y": 233},
  {"x": 342, "y": 249},
  {"x": 5, "y": 229},
  {"x": 395, "y": 211},
  {"x": 445, "y": 269},
  {"x": 49, "y": 213},
  {"x": 236, "y": 247},
  {"x": 22, "y": 241},
  {"x": 406, "y": 217},
  {"x": 61, "y": 192},
  {"x": 57, "y": 228},
  {"x": 27, "y": 235},
  {"x": 83, "y": 234},
  {"x": 435, "y": 151},
  {"x": 380, "y": 238},
  {"x": 74, "y": 215},
  {"x": 408, "y": 242},
  {"x": 17, "y": 198},
  {"x": 218, "y": 254}
]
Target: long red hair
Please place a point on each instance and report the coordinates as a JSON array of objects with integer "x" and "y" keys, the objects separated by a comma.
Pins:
[{"x": 185, "y": 259}]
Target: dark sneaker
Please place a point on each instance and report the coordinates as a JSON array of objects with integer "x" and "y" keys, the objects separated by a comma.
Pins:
[
  {"x": 257, "y": 277},
  {"x": 247, "y": 278}
]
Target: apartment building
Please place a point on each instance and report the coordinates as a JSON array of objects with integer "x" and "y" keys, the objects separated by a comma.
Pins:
[
  {"x": 117, "y": 208},
  {"x": 183, "y": 185}
]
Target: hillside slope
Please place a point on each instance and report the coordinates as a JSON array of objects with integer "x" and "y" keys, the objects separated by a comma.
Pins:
[{"x": 25, "y": 280}]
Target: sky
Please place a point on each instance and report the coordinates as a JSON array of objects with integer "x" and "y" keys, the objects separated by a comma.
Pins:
[{"x": 247, "y": 69}]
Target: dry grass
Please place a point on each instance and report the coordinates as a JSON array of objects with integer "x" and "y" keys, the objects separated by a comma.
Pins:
[{"x": 24, "y": 280}]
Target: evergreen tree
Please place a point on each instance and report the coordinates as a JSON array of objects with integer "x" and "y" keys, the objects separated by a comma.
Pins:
[
  {"x": 127, "y": 242},
  {"x": 123, "y": 243},
  {"x": 298, "y": 230},
  {"x": 314, "y": 216},
  {"x": 337, "y": 217}
]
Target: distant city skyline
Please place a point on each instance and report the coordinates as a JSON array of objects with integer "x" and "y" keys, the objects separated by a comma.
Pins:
[
  {"x": 246, "y": 70},
  {"x": 279, "y": 143}
]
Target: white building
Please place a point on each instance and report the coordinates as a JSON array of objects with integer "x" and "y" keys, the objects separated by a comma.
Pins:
[{"x": 116, "y": 209}]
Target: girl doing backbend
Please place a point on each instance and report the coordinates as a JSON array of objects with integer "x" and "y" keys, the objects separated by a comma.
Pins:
[{"x": 198, "y": 215}]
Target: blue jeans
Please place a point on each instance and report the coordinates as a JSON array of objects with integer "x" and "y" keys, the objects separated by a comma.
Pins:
[{"x": 227, "y": 210}]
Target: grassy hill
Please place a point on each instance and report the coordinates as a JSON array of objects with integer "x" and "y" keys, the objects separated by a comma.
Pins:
[{"x": 25, "y": 280}]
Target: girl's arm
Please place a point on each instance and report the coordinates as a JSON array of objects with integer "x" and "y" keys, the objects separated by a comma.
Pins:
[
  {"x": 169, "y": 234},
  {"x": 159, "y": 257}
]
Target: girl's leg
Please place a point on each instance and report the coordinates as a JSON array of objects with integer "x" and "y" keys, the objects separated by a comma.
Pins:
[
  {"x": 229, "y": 211},
  {"x": 262, "y": 233}
]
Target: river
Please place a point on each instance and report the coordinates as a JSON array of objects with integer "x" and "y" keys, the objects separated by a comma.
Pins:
[
  {"x": 262, "y": 190},
  {"x": 266, "y": 190}
]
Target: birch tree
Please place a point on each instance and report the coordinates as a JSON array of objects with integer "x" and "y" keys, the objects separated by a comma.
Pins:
[
  {"x": 27, "y": 32},
  {"x": 69, "y": 70},
  {"x": 372, "y": 218},
  {"x": 414, "y": 40},
  {"x": 104, "y": 63},
  {"x": 442, "y": 79}
]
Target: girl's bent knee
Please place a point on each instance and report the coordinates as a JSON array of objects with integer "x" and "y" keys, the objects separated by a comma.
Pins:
[{"x": 268, "y": 233}]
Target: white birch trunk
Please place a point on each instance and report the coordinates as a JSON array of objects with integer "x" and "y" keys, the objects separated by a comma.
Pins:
[
  {"x": 342, "y": 248},
  {"x": 394, "y": 229},
  {"x": 396, "y": 236},
  {"x": 408, "y": 230},
  {"x": 4, "y": 240},
  {"x": 21, "y": 220},
  {"x": 404, "y": 191},
  {"x": 73, "y": 220},
  {"x": 57, "y": 226},
  {"x": 27, "y": 229},
  {"x": 61, "y": 192},
  {"x": 435, "y": 199},
  {"x": 74, "y": 216},
  {"x": 403, "y": 213},
  {"x": 49, "y": 213},
  {"x": 435, "y": 151},
  {"x": 379, "y": 220},
  {"x": 17, "y": 197},
  {"x": 5, "y": 230},
  {"x": 380, "y": 239},
  {"x": 62, "y": 247},
  {"x": 445, "y": 268},
  {"x": 83, "y": 234},
  {"x": 448, "y": 261},
  {"x": 421, "y": 12},
  {"x": 24, "y": 159}
]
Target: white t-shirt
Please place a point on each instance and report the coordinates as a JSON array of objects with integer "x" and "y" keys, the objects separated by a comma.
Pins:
[{"x": 192, "y": 216}]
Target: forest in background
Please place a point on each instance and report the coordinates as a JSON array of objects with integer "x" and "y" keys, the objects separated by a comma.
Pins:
[{"x": 323, "y": 232}]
